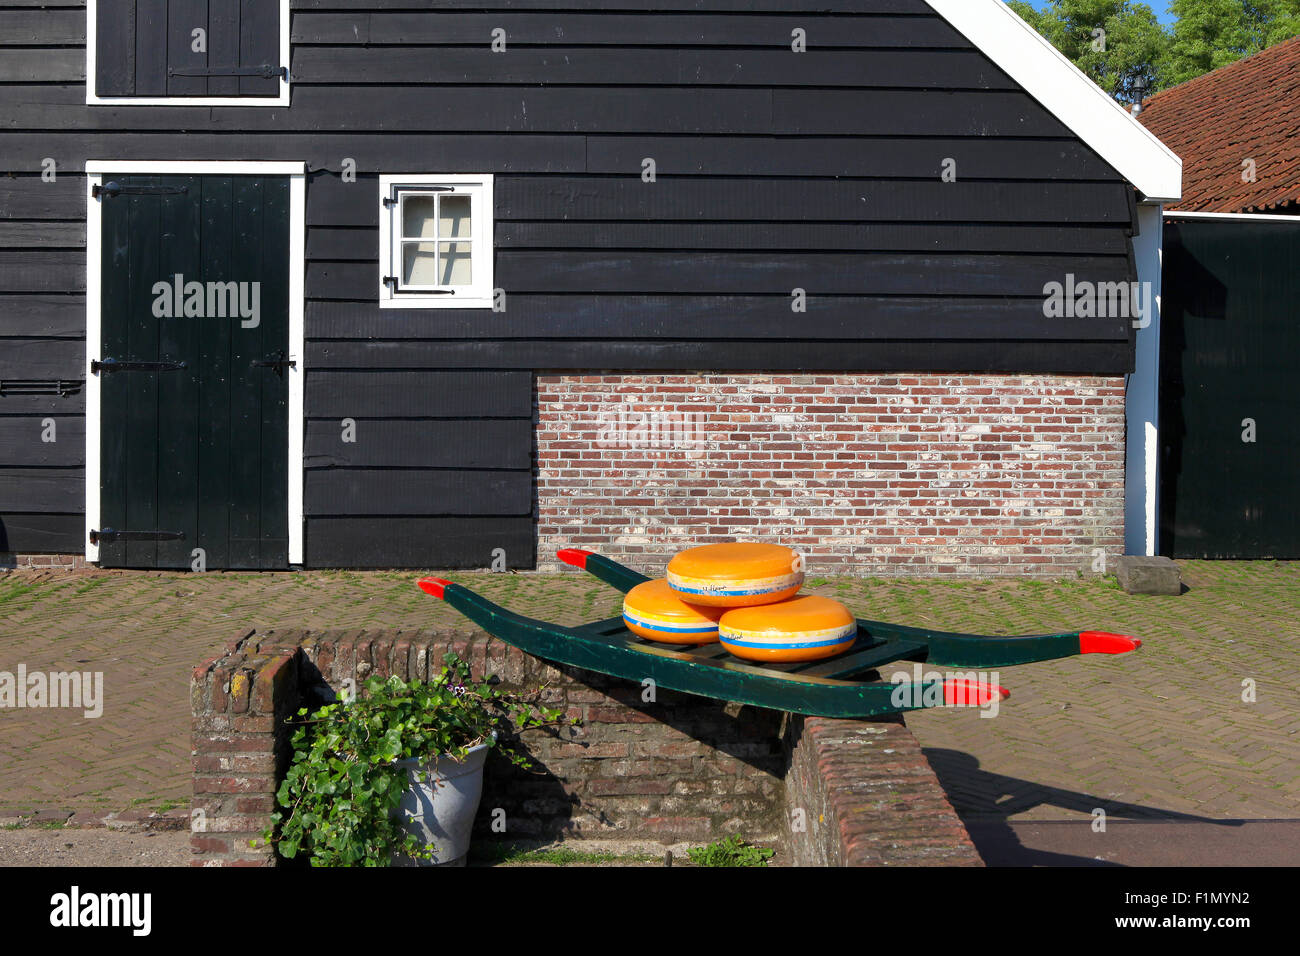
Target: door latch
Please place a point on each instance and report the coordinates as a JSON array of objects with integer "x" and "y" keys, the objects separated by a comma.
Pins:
[{"x": 279, "y": 363}]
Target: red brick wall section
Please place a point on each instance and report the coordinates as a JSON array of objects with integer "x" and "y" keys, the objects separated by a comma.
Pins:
[
  {"x": 875, "y": 474},
  {"x": 49, "y": 562},
  {"x": 238, "y": 704},
  {"x": 861, "y": 793},
  {"x": 681, "y": 770}
]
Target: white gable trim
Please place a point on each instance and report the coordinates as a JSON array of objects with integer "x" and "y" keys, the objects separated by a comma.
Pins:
[{"x": 1068, "y": 94}]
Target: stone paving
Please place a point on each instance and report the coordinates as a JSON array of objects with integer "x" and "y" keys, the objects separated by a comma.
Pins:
[{"x": 1159, "y": 734}]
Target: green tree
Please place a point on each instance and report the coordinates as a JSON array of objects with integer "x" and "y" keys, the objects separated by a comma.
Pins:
[
  {"x": 1118, "y": 43},
  {"x": 1209, "y": 34}
]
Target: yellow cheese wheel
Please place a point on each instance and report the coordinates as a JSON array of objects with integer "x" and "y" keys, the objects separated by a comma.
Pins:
[
  {"x": 805, "y": 628},
  {"x": 655, "y": 611},
  {"x": 736, "y": 575}
]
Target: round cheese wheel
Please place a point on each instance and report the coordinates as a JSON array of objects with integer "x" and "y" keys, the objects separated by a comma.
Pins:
[
  {"x": 736, "y": 575},
  {"x": 657, "y": 612},
  {"x": 805, "y": 628}
]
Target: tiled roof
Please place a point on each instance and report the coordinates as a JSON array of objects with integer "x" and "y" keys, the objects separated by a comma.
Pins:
[{"x": 1246, "y": 110}]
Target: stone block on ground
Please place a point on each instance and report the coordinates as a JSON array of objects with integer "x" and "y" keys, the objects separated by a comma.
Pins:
[{"x": 1139, "y": 574}]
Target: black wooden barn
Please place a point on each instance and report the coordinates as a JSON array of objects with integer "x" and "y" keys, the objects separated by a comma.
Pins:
[{"x": 230, "y": 227}]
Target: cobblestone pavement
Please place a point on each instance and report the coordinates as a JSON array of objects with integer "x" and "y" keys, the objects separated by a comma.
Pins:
[{"x": 1162, "y": 733}]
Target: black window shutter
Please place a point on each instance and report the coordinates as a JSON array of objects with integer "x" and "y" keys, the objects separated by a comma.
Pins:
[
  {"x": 223, "y": 46},
  {"x": 147, "y": 47},
  {"x": 183, "y": 18},
  {"x": 150, "y": 47},
  {"x": 115, "y": 48},
  {"x": 259, "y": 45}
]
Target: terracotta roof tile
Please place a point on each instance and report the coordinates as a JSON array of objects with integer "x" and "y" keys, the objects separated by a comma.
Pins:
[{"x": 1246, "y": 110}]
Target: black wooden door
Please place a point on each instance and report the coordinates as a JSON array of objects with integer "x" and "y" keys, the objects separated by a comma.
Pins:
[
  {"x": 1229, "y": 406},
  {"x": 194, "y": 417}
]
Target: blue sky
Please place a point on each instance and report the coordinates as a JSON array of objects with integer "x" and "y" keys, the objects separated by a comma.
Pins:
[{"x": 1161, "y": 7}]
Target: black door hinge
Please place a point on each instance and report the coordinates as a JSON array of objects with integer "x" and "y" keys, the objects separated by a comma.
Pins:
[
  {"x": 108, "y": 535},
  {"x": 266, "y": 71},
  {"x": 113, "y": 365},
  {"x": 279, "y": 363},
  {"x": 117, "y": 189}
]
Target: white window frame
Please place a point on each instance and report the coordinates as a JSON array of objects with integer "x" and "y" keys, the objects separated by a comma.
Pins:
[
  {"x": 96, "y": 170},
  {"x": 478, "y": 295},
  {"x": 93, "y": 99}
]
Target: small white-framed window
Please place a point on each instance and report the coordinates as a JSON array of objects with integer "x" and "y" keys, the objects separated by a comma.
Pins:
[{"x": 435, "y": 242}]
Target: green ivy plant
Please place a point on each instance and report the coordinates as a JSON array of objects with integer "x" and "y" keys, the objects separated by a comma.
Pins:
[
  {"x": 730, "y": 851},
  {"x": 339, "y": 797}
]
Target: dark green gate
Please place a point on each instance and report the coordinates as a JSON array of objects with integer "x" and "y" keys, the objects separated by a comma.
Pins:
[
  {"x": 1229, "y": 364},
  {"x": 194, "y": 389}
]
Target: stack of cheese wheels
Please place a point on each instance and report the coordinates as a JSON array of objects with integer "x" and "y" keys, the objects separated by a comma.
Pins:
[{"x": 744, "y": 595}]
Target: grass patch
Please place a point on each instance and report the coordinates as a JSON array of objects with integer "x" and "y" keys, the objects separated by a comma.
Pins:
[
  {"x": 730, "y": 851},
  {"x": 504, "y": 853}
]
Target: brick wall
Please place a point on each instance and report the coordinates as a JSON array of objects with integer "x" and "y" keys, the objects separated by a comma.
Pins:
[
  {"x": 872, "y": 474},
  {"x": 239, "y": 701},
  {"x": 681, "y": 770},
  {"x": 861, "y": 793},
  {"x": 67, "y": 562}
]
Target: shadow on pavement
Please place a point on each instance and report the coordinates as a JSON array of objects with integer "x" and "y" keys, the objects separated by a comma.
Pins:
[{"x": 1135, "y": 835}]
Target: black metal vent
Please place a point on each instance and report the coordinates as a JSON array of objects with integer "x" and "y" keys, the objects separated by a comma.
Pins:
[{"x": 40, "y": 386}]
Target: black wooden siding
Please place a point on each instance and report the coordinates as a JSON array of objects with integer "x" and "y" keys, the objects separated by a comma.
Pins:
[{"x": 775, "y": 170}]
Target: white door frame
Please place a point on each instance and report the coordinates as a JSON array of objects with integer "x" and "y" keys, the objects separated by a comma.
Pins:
[
  {"x": 297, "y": 173},
  {"x": 1142, "y": 398}
]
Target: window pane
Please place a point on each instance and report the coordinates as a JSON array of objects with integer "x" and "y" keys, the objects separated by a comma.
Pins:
[
  {"x": 453, "y": 221},
  {"x": 418, "y": 217},
  {"x": 454, "y": 268},
  {"x": 419, "y": 263}
]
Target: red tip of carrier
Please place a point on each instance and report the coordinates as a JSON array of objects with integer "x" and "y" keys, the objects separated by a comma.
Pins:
[
  {"x": 574, "y": 556},
  {"x": 433, "y": 586},
  {"x": 971, "y": 693},
  {"x": 1103, "y": 642}
]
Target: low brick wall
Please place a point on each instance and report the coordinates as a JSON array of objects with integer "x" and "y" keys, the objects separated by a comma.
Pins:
[
  {"x": 682, "y": 769},
  {"x": 865, "y": 473},
  {"x": 66, "y": 562},
  {"x": 861, "y": 793}
]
